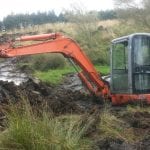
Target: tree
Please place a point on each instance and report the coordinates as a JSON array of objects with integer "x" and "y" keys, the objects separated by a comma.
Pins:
[
  {"x": 108, "y": 14},
  {"x": 139, "y": 12},
  {"x": 87, "y": 33},
  {"x": 23, "y": 20},
  {"x": 61, "y": 17}
]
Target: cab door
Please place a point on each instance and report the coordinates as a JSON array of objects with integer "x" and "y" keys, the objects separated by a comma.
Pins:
[{"x": 119, "y": 67}]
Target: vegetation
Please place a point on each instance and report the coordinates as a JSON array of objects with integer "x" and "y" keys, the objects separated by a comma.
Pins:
[
  {"x": 24, "y": 20},
  {"x": 137, "y": 12},
  {"x": 115, "y": 128},
  {"x": 90, "y": 35},
  {"x": 107, "y": 15},
  {"x": 44, "y": 62},
  {"x": 29, "y": 129},
  {"x": 55, "y": 76},
  {"x": 134, "y": 109},
  {"x": 104, "y": 70},
  {"x": 26, "y": 130}
]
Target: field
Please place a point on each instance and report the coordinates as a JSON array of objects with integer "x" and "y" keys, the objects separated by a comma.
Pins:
[{"x": 53, "y": 110}]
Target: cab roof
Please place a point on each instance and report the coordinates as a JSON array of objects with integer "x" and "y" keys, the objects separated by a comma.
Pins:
[{"x": 123, "y": 38}]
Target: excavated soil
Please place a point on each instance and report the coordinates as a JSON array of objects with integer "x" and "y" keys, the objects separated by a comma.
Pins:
[{"x": 59, "y": 100}]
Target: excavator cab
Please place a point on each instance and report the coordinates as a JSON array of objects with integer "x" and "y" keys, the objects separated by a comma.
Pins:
[{"x": 130, "y": 64}]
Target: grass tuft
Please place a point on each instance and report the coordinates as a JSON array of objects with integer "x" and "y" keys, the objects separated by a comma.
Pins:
[
  {"x": 112, "y": 127},
  {"x": 28, "y": 131},
  {"x": 136, "y": 108}
]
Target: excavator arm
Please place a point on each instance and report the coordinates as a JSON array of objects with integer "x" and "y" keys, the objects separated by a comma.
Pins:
[{"x": 57, "y": 43}]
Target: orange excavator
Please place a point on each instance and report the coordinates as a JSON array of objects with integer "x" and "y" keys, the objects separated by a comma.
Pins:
[{"x": 130, "y": 63}]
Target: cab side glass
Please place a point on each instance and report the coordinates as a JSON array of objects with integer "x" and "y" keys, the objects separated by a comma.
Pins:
[{"x": 120, "y": 67}]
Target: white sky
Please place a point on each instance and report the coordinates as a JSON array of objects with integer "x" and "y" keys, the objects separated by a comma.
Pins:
[{"x": 29, "y": 6}]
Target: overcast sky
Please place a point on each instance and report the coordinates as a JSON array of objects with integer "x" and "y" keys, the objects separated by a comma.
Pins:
[{"x": 29, "y": 6}]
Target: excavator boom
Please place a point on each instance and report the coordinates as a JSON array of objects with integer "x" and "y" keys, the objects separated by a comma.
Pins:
[{"x": 57, "y": 43}]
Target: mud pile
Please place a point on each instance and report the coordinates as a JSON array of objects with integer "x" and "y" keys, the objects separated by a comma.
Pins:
[{"x": 58, "y": 99}]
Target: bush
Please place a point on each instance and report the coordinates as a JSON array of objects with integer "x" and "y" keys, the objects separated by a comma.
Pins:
[
  {"x": 95, "y": 46},
  {"x": 90, "y": 37},
  {"x": 45, "y": 62}
]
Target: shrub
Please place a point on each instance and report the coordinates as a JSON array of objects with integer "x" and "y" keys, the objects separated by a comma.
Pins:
[{"x": 45, "y": 62}]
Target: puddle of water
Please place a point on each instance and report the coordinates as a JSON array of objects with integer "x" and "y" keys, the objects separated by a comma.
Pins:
[
  {"x": 73, "y": 83},
  {"x": 9, "y": 72}
]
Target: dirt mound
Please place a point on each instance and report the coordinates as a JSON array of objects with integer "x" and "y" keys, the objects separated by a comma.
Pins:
[
  {"x": 59, "y": 100},
  {"x": 40, "y": 95}
]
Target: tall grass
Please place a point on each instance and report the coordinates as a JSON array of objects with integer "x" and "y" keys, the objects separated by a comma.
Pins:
[
  {"x": 44, "y": 62},
  {"x": 112, "y": 127},
  {"x": 29, "y": 132}
]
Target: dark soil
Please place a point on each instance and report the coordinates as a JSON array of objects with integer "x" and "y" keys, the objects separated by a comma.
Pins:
[{"x": 59, "y": 100}]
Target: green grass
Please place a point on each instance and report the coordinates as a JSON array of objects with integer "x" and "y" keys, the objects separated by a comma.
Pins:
[
  {"x": 55, "y": 76},
  {"x": 104, "y": 70},
  {"x": 27, "y": 131}
]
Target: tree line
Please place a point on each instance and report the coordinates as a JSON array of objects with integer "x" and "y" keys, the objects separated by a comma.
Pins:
[{"x": 24, "y": 20}]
